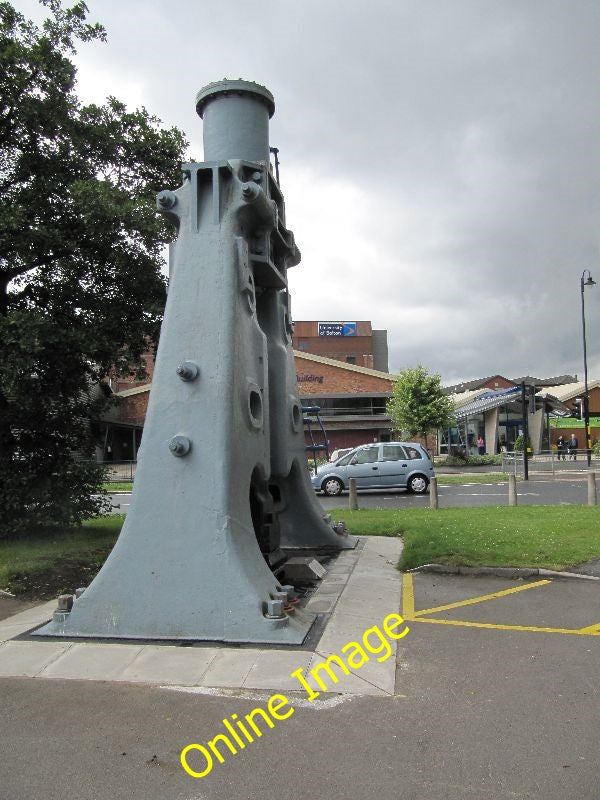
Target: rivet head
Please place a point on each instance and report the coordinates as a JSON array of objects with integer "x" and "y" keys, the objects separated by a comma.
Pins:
[
  {"x": 166, "y": 199},
  {"x": 188, "y": 371},
  {"x": 180, "y": 446}
]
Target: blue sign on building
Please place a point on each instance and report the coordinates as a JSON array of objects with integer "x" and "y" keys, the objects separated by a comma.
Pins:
[{"x": 337, "y": 328}]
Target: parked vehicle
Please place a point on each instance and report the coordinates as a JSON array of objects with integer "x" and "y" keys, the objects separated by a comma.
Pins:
[{"x": 386, "y": 465}]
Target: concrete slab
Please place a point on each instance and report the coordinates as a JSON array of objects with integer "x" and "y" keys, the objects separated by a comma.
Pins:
[
  {"x": 25, "y": 620},
  {"x": 180, "y": 666},
  {"x": 27, "y": 659},
  {"x": 230, "y": 667},
  {"x": 360, "y": 589},
  {"x": 272, "y": 669},
  {"x": 92, "y": 661}
]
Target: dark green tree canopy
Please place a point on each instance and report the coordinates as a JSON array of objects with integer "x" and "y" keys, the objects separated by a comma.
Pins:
[
  {"x": 418, "y": 405},
  {"x": 81, "y": 288}
]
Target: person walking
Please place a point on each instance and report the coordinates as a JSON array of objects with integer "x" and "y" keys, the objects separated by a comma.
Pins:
[
  {"x": 561, "y": 448},
  {"x": 481, "y": 446},
  {"x": 572, "y": 446}
]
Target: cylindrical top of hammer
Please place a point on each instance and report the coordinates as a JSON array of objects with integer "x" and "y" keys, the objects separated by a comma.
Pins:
[{"x": 236, "y": 117}]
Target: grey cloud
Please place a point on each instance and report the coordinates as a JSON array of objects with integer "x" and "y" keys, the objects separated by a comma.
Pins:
[{"x": 470, "y": 129}]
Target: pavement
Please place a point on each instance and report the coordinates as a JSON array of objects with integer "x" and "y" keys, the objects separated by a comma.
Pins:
[
  {"x": 361, "y": 588},
  {"x": 493, "y": 695}
]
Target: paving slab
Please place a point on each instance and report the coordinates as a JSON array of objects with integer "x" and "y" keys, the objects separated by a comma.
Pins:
[
  {"x": 27, "y": 659},
  {"x": 230, "y": 667},
  {"x": 164, "y": 664},
  {"x": 273, "y": 669},
  {"x": 92, "y": 661},
  {"x": 360, "y": 589}
]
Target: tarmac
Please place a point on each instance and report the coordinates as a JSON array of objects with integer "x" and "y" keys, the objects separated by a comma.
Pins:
[{"x": 361, "y": 588}]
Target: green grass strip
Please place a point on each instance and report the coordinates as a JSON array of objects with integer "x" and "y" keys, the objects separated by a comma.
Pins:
[
  {"x": 552, "y": 537},
  {"x": 466, "y": 478}
]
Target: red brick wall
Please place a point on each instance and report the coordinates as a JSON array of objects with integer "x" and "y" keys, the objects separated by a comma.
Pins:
[
  {"x": 306, "y": 338},
  {"x": 133, "y": 408},
  {"x": 337, "y": 380},
  {"x": 498, "y": 382}
]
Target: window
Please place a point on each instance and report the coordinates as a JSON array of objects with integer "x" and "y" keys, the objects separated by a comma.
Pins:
[
  {"x": 393, "y": 452},
  {"x": 412, "y": 453},
  {"x": 368, "y": 455}
]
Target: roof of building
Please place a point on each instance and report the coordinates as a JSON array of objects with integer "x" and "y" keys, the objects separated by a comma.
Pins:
[
  {"x": 485, "y": 400},
  {"x": 330, "y": 362},
  {"x": 559, "y": 380},
  {"x": 570, "y": 391},
  {"x": 478, "y": 383},
  {"x": 333, "y": 362}
]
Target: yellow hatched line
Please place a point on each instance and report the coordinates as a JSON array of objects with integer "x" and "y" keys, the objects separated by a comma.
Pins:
[
  {"x": 482, "y": 598},
  {"x": 591, "y": 629},
  {"x": 409, "y": 613},
  {"x": 580, "y": 632}
]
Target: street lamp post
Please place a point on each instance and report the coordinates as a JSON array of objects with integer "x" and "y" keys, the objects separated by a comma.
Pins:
[{"x": 589, "y": 281}]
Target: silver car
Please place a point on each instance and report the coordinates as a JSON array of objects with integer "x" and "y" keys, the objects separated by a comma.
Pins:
[{"x": 385, "y": 465}]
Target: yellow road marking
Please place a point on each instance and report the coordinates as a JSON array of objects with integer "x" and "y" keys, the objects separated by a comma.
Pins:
[
  {"x": 492, "y": 626},
  {"x": 408, "y": 596},
  {"x": 482, "y": 598},
  {"x": 409, "y": 613},
  {"x": 595, "y": 628}
]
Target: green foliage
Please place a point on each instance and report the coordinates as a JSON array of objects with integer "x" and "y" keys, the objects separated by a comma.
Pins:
[
  {"x": 418, "y": 405},
  {"x": 81, "y": 288},
  {"x": 469, "y": 461},
  {"x": 519, "y": 443}
]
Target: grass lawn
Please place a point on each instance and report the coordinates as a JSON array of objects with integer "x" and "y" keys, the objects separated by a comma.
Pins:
[
  {"x": 125, "y": 486},
  {"x": 553, "y": 537},
  {"x": 475, "y": 477},
  {"x": 45, "y": 564}
]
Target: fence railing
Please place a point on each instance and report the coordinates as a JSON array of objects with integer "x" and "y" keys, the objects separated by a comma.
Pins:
[
  {"x": 549, "y": 462},
  {"x": 120, "y": 471}
]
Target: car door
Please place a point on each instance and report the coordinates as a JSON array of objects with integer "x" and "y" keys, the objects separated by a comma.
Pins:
[
  {"x": 393, "y": 467},
  {"x": 364, "y": 466}
]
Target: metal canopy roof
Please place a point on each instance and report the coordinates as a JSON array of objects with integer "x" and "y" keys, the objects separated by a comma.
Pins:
[
  {"x": 496, "y": 398},
  {"x": 487, "y": 401}
]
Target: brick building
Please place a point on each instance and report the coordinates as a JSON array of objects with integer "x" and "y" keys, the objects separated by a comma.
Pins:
[
  {"x": 352, "y": 399},
  {"x": 351, "y": 342}
]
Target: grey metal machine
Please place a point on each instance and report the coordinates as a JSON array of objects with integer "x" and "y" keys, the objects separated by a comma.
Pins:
[{"x": 222, "y": 483}]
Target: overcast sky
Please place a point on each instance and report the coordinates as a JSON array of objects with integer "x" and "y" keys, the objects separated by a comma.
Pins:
[{"x": 440, "y": 160}]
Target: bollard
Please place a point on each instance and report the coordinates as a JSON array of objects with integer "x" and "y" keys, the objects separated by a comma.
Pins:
[
  {"x": 512, "y": 490},
  {"x": 433, "y": 494},
  {"x": 352, "y": 496},
  {"x": 592, "y": 497}
]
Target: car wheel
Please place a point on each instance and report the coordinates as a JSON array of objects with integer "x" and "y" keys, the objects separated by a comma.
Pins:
[
  {"x": 332, "y": 487},
  {"x": 418, "y": 484}
]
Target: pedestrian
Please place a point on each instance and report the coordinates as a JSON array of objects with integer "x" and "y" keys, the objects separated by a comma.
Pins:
[
  {"x": 572, "y": 446},
  {"x": 481, "y": 446},
  {"x": 561, "y": 448}
]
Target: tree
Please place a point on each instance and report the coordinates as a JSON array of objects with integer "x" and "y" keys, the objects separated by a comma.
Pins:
[
  {"x": 81, "y": 288},
  {"x": 418, "y": 405}
]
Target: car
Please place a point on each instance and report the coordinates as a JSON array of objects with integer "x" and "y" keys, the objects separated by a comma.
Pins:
[{"x": 382, "y": 465}]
